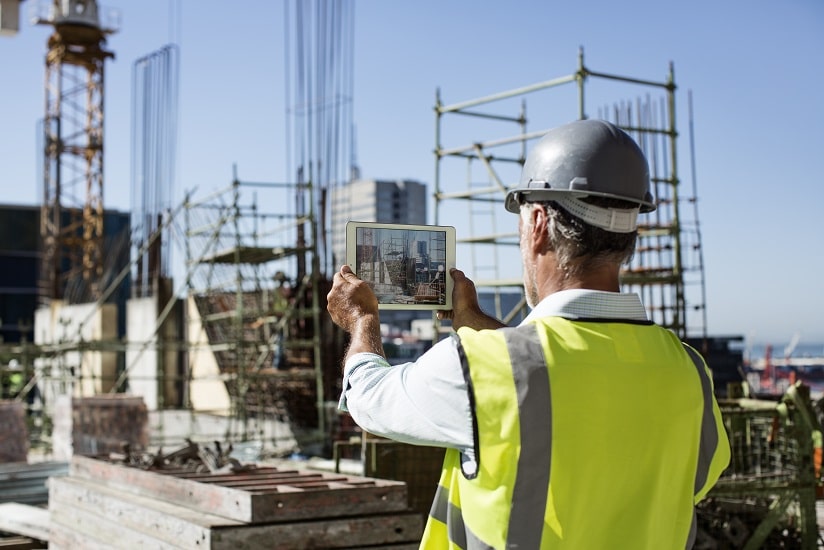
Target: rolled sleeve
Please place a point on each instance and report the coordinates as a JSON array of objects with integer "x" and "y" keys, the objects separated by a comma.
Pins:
[
  {"x": 422, "y": 403},
  {"x": 367, "y": 360}
]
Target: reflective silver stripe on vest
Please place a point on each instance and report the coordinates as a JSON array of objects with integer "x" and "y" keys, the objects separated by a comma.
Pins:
[
  {"x": 531, "y": 489},
  {"x": 529, "y": 495},
  {"x": 445, "y": 512},
  {"x": 709, "y": 435}
]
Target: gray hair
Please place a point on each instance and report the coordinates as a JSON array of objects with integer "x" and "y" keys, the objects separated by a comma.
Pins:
[{"x": 578, "y": 246}]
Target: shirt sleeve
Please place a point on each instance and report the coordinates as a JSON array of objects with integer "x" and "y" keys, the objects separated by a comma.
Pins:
[{"x": 422, "y": 403}]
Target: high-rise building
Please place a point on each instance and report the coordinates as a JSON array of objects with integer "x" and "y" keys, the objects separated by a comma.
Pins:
[
  {"x": 384, "y": 201},
  {"x": 369, "y": 200},
  {"x": 20, "y": 263}
]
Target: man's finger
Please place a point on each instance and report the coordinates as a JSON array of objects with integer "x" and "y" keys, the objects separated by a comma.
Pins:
[{"x": 348, "y": 275}]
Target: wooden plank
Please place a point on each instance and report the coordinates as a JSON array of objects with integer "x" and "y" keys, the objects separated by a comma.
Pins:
[
  {"x": 353, "y": 532},
  {"x": 275, "y": 503},
  {"x": 224, "y": 502},
  {"x": 22, "y": 519},
  {"x": 169, "y": 523},
  {"x": 200, "y": 476},
  {"x": 290, "y": 503},
  {"x": 21, "y": 543},
  {"x": 93, "y": 529},
  {"x": 66, "y": 538}
]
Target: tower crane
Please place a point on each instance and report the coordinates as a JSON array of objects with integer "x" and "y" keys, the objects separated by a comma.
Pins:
[{"x": 71, "y": 218}]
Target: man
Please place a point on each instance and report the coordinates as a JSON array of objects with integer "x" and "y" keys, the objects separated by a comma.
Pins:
[{"x": 585, "y": 427}]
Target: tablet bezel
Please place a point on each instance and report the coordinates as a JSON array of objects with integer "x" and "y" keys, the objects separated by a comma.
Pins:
[{"x": 449, "y": 260}]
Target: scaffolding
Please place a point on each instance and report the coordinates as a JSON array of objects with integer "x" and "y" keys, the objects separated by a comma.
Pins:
[
  {"x": 259, "y": 305},
  {"x": 253, "y": 283},
  {"x": 668, "y": 256},
  {"x": 244, "y": 309}
]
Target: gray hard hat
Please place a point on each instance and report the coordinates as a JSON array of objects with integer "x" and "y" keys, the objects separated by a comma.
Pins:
[{"x": 580, "y": 159}]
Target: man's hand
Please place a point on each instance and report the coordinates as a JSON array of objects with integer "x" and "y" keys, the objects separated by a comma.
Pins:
[
  {"x": 466, "y": 312},
  {"x": 350, "y": 299},
  {"x": 354, "y": 308}
]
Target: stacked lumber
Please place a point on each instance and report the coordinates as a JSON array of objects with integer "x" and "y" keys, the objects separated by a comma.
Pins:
[
  {"x": 106, "y": 505},
  {"x": 14, "y": 436}
]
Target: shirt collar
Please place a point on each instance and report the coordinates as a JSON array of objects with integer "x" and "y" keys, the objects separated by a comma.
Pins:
[{"x": 589, "y": 304}]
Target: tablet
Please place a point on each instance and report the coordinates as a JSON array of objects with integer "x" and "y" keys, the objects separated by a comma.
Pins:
[{"x": 407, "y": 266}]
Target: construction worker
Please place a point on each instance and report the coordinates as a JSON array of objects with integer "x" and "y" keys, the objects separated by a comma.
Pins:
[{"x": 585, "y": 427}]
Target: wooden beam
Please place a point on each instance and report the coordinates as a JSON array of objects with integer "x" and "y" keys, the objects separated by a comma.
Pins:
[
  {"x": 26, "y": 520},
  {"x": 89, "y": 508},
  {"x": 354, "y": 532}
]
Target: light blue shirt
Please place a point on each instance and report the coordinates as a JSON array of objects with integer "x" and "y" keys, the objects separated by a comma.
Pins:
[{"x": 426, "y": 402}]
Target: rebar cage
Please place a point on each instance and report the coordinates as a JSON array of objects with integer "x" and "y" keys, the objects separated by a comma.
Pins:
[{"x": 766, "y": 497}]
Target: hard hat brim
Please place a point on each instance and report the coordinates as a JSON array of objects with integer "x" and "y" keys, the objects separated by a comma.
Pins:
[{"x": 516, "y": 197}]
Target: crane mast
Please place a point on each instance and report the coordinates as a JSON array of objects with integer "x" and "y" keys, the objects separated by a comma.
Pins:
[{"x": 71, "y": 222}]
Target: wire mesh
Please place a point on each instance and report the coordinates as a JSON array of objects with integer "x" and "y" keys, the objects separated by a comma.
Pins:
[
  {"x": 766, "y": 496},
  {"x": 763, "y": 448}
]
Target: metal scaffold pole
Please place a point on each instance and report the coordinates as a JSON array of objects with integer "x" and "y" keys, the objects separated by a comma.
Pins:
[
  {"x": 259, "y": 305},
  {"x": 316, "y": 312},
  {"x": 658, "y": 269}
]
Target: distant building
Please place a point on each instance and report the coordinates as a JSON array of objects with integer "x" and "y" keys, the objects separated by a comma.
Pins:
[
  {"x": 19, "y": 258},
  {"x": 369, "y": 200},
  {"x": 20, "y": 266}
]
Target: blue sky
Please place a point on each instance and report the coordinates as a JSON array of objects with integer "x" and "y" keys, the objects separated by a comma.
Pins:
[{"x": 754, "y": 69}]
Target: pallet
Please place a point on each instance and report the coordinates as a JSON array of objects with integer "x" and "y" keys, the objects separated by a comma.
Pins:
[{"x": 262, "y": 494}]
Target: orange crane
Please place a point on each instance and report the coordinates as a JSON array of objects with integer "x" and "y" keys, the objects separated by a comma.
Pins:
[{"x": 71, "y": 218}]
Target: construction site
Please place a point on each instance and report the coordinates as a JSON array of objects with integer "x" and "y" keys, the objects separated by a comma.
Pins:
[{"x": 173, "y": 378}]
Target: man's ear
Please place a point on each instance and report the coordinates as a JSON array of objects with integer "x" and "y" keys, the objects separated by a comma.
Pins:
[{"x": 538, "y": 233}]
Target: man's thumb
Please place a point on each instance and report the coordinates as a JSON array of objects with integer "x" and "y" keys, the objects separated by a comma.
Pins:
[{"x": 347, "y": 273}]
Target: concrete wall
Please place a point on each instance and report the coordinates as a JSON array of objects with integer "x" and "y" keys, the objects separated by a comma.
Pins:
[
  {"x": 151, "y": 359},
  {"x": 76, "y": 371},
  {"x": 207, "y": 391}
]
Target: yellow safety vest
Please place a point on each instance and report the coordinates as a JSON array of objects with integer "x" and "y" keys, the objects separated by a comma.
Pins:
[{"x": 588, "y": 435}]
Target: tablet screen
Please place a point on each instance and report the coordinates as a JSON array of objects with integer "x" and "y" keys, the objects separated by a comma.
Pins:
[{"x": 407, "y": 266}]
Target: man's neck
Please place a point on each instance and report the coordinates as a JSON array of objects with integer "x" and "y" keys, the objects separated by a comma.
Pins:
[{"x": 551, "y": 279}]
